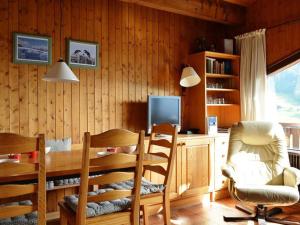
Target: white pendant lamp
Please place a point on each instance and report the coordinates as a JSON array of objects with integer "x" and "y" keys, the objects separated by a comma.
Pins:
[
  {"x": 60, "y": 71},
  {"x": 189, "y": 77}
]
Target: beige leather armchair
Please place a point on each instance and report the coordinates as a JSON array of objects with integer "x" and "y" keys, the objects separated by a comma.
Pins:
[{"x": 259, "y": 171}]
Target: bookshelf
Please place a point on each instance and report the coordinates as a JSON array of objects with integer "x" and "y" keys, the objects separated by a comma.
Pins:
[{"x": 218, "y": 94}]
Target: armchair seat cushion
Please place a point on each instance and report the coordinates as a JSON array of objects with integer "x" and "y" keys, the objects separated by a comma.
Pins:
[
  {"x": 107, "y": 207},
  {"x": 267, "y": 194}
]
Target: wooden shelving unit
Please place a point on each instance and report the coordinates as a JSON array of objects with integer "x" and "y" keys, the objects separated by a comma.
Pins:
[{"x": 217, "y": 95}]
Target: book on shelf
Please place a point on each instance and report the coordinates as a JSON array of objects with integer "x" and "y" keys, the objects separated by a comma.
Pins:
[
  {"x": 218, "y": 67},
  {"x": 209, "y": 64}
]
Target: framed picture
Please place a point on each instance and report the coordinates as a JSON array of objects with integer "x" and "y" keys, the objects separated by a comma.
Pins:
[
  {"x": 82, "y": 54},
  {"x": 32, "y": 49}
]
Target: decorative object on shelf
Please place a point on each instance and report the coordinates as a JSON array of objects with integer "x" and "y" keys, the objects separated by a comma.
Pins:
[
  {"x": 228, "y": 46},
  {"x": 82, "y": 54},
  {"x": 200, "y": 44},
  {"x": 189, "y": 77},
  {"x": 212, "y": 47},
  {"x": 60, "y": 72},
  {"x": 212, "y": 125},
  {"x": 32, "y": 49}
]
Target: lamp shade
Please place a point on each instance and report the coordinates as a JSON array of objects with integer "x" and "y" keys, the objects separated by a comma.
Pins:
[
  {"x": 60, "y": 71},
  {"x": 189, "y": 77}
]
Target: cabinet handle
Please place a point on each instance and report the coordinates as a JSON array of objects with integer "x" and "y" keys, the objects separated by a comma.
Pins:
[{"x": 223, "y": 142}]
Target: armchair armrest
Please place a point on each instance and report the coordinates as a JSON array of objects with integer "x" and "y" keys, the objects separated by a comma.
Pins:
[
  {"x": 229, "y": 172},
  {"x": 291, "y": 176}
]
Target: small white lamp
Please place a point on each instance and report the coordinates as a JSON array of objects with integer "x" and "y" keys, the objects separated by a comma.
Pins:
[
  {"x": 189, "y": 77},
  {"x": 60, "y": 71}
]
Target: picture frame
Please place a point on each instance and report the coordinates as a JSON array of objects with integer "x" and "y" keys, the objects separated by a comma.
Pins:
[
  {"x": 82, "y": 54},
  {"x": 32, "y": 49}
]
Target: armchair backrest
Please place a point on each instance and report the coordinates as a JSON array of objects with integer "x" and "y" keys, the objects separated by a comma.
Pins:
[{"x": 257, "y": 152}]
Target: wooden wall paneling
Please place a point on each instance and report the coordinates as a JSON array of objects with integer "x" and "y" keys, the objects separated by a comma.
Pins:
[
  {"x": 105, "y": 66},
  {"x": 166, "y": 53},
  {"x": 42, "y": 85},
  {"x": 144, "y": 59},
  {"x": 4, "y": 71},
  {"x": 149, "y": 47},
  {"x": 125, "y": 65},
  {"x": 161, "y": 51},
  {"x": 59, "y": 100},
  {"x": 141, "y": 52},
  {"x": 119, "y": 80},
  {"x": 14, "y": 117},
  {"x": 98, "y": 89},
  {"x": 67, "y": 87},
  {"x": 138, "y": 63},
  {"x": 155, "y": 53},
  {"x": 91, "y": 72},
  {"x": 75, "y": 32},
  {"x": 83, "y": 72},
  {"x": 23, "y": 74},
  {"x": 172, "y": 72},
  {"x": 112, "y": 63},
  {"x": 131, "y": 66},
  {"x": 50, "y": 13}
]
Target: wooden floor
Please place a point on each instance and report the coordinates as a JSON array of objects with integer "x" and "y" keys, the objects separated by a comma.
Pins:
[{"x": 212, "y": 214}]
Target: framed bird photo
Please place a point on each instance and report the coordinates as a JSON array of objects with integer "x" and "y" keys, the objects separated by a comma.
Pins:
[{"x": 82, "y": 54}]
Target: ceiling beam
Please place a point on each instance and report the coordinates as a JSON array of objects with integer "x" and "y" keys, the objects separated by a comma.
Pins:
[
  {"x": 211, "y": 10},
  {"x": 244, "y": 3}
]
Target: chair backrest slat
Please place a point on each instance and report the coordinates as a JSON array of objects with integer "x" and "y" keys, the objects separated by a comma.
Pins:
[
  {"x": 17, "y": 144},
  {"x": 14, "y": 190},
  {"x": 114, "y": 138},
  {"x": 110, "y": 196},
  {"x": 162, "y": 143},
  {"x": 111, "y": 138},
  {"x": 163, "y": 129},
  {"x": 13, "y": 210},
  {"x": 12, "y": 168},
  {"x": 110, "y": 160},
  {"x": 111, "y": 178}
]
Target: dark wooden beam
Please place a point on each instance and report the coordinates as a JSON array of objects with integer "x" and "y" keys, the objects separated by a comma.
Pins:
[
  {"x": 211, "y": 10},
  {"x": 284, "y": 63},
  {"x": 244, "y": 3}
]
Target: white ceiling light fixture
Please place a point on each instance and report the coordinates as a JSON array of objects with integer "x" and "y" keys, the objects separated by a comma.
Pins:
[
  {"x": 60, "y": 71},
  {"x": 189, "y": 77}
]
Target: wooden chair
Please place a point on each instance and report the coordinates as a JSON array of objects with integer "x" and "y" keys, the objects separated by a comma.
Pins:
[
  {"x": 161, "y": 198},
  {"x": 17, "y": 144},
  {"x": 111, "y": 138}
]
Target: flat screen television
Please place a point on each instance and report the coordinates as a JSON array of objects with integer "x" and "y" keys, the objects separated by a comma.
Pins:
[{"x": 164, "y": 109}]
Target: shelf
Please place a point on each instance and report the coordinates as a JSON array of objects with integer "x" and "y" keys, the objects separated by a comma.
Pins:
[
  {"x": 222, "y": 105},
  {"x": 219, "y": 55},
  {"x": 216, "y": 75},
  {"x": 221, "y": 89}
]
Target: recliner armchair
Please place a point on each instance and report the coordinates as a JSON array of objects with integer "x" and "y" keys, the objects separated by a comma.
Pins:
[{"x": 259, "y": 171}]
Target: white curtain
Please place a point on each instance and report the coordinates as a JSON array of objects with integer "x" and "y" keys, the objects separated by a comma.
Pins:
[{"x": 252, "y": 48}]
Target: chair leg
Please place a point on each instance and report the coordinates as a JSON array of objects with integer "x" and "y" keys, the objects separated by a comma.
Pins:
[
  {"x": 145, "y": 215},
  {"x": 244, "y": 209},
  {"x": 238, "y": 218},
  {"x": 166, "y": 211},
  {"x": 63, "y": 218},
  {"x": 274, "y": 211}
]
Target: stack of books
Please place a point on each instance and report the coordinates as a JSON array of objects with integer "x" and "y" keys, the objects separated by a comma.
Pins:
[{"x": 218, "y": 67}]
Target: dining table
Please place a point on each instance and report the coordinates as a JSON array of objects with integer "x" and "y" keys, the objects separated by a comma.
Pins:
[{"x": 68, "y": 163}]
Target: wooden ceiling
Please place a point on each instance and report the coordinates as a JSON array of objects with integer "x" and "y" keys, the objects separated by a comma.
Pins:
[{"x": 231, "y": 12}]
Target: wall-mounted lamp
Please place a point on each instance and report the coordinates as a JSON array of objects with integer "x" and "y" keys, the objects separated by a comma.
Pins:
[{"x": 189, "y": 77}]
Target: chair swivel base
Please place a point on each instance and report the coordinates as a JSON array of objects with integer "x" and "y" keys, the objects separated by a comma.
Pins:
[{"x": 262, "y": 215}]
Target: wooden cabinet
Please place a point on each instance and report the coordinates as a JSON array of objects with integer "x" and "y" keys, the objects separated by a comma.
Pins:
[
  {"x": 221, "y": 149},
  {"x": 197, "y": 166},
  {"x": 216, "y": 95}
]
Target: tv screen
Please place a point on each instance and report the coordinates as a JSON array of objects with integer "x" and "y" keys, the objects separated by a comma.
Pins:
[{"x": 164, "y": 109}]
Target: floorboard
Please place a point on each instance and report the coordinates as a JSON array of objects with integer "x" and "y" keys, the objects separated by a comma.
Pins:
[{"x": 212, "y": 214}]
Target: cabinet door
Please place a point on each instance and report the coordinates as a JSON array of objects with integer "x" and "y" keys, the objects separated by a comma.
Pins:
[
  {"x": 197, "y": 167},
  {"x": 221, "y": 149}
]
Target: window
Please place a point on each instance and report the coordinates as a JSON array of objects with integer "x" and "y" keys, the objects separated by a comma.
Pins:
[{"x": 285, "y": 89}]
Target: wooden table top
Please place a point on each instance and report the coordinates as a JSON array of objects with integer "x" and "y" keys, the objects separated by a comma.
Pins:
[{"x": 69, "y": 163}]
